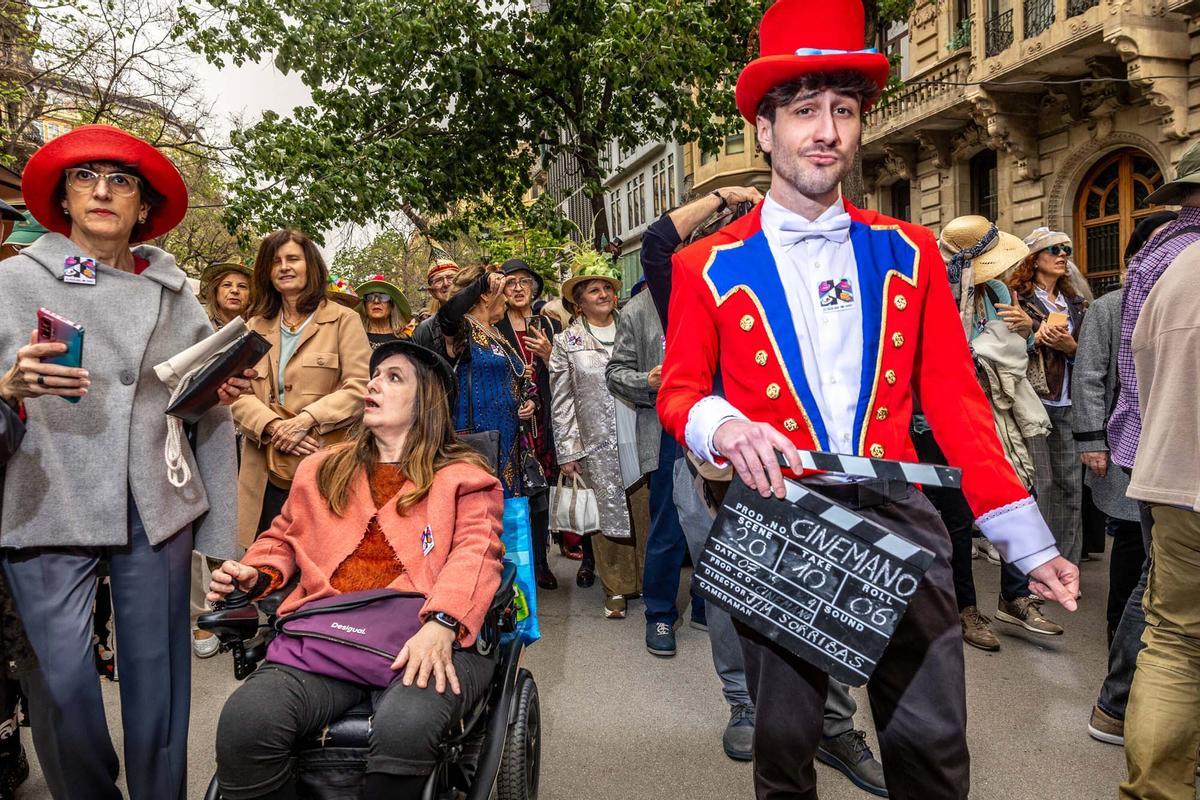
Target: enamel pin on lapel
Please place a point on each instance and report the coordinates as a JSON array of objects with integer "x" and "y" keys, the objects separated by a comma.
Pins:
[
  {"x": 77, "y": 269},
  {"x": 427, "y": 541}
]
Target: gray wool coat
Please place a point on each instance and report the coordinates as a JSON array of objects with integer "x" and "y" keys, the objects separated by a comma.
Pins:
[
  {"x": 637, "y": 350},
  {"x": 67, "y": 484},
  {"x": 1093, "y": 393}
]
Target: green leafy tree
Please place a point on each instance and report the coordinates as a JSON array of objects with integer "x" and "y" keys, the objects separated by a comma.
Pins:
[{"x": 429, "y": 102}]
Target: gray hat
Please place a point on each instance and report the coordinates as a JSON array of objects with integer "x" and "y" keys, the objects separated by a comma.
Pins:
[{"x": 1173, "y": 192}]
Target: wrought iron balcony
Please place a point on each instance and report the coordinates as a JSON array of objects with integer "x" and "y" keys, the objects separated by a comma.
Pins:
[
  {"x": 1077, "y": 7},
  {"x": 1039, "y": 14},
  {"x": 998, "y": 33}
]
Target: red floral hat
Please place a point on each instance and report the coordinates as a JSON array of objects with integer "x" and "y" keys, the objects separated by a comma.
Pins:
[
  {"x": 102, "y": 143},
  {"x": 803, "y": 37}
]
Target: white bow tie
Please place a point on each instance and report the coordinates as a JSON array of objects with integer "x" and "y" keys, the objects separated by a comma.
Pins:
[{"x": 796, "y": 229}]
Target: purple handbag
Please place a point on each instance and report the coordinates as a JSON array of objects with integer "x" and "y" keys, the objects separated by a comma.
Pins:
[{"x": 353, "y": 637}]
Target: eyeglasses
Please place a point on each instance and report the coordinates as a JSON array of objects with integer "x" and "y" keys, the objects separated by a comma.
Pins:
[
  {"x": 524, "y": 283},
  {"x": 377, "y": 297},
  {"x": 122, "y": 184},
  {"x": 1059, "y": 250},
  {"x": 444, "y": 280}
]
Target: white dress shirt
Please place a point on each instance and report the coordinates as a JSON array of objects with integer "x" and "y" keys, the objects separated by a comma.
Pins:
[{"x": 817, "y": 267}]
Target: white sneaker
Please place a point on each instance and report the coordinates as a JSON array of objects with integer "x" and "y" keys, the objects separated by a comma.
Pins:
[
  {"x": 988, "y": 551},
  {"x": 205, "y": 644}
]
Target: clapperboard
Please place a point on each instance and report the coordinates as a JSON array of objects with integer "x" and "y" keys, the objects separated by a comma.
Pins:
[{"x": 815, "y": 577}]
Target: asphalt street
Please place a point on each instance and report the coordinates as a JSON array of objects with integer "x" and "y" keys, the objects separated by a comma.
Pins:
[{"x": 620, "y": 724}]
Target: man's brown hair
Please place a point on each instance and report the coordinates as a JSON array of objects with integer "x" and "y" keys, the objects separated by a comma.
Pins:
[{"x": 846, "y": 82}]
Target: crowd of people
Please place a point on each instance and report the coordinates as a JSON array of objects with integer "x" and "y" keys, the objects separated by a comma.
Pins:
[{"x": 1072, "y": 417}]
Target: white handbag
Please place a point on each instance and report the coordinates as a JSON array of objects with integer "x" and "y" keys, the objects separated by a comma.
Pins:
[{"x": 573, "y": 508}]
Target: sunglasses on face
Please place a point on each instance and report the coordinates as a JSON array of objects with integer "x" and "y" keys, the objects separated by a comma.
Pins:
[
  {"x": 377, "y": 297},
  {"x": 122, "y": 184},
  {"x": 1059, "y": 250}
]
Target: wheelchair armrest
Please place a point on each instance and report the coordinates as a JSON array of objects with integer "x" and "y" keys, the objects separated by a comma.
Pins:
[{"x": 507, "y": 591}]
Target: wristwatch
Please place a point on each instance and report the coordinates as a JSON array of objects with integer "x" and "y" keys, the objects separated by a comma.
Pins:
[
  {"x": 724, "y": 203},
  {"x": 442, "y": 618}
]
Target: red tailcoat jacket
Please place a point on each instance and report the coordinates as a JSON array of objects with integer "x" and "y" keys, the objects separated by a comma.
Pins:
[{"x": 730, "y": 319}]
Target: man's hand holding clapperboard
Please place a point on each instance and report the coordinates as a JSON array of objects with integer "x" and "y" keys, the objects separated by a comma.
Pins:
[
  {"x": 753, "y": 448},
  {"x": 816, "y": 577}
]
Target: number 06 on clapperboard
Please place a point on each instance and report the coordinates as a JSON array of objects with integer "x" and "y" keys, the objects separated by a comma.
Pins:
[{"x": 817, "y": 578}]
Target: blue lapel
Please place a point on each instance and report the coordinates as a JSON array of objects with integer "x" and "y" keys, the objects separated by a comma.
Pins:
[
  {"x": 879, "y": 252},
  {"x": 749, "y": 265}
]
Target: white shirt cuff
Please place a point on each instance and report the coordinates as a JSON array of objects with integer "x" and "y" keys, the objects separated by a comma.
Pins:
[
  {"x": 703, "y": 420},
  {"x": 1020, "y": 534}
]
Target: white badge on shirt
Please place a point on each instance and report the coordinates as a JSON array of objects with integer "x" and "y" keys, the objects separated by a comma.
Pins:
[
  {"x": 836, "y": 295},
  {"x": 77, "y": 269}
]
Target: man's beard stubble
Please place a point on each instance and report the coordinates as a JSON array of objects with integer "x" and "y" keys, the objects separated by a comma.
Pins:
[{"x": 813, "y": 182}]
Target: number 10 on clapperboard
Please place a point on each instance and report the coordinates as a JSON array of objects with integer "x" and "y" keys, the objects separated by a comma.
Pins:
[{"x": 819, "y": 579}]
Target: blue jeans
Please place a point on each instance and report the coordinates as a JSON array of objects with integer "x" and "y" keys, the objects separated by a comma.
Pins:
[{"x": 666, "y": 546}]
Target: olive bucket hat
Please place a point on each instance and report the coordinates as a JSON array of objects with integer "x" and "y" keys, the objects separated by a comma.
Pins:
[{"x": 1173, "y": 192}]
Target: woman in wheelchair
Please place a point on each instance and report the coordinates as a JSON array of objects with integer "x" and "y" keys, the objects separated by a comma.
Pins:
[{"x": 402, "y": 506}]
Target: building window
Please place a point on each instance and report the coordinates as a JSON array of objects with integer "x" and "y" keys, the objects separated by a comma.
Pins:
[
  {"x": 614, "y": 208},
  {"x": 895, "y": 44},
  {"x": 902, "y": 200},
  {"x": 656, "y": 188},
  {"x": 985, "y": 190},
  {"x": 1111, "y": 199},
  {"x": 735, "y": 143},
  {"x": 635, "y": 201},
  {"x": 670, "y": 179}
]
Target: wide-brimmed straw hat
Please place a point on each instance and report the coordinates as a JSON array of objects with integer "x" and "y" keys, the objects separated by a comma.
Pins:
[
  {"x": 44, "y": 173},
  {"x": 1172, "y": 193},
  {"x": 805, "y": 37},
  {"x": 215, "y": 271},
  {"x": 976, "y": 242},
  {"x": 589, "y": 266},
  {"x": 379, "y": 283}
]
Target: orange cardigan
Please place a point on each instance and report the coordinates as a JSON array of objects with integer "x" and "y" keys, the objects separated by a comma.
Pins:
[{"x": 460, "y": 574}]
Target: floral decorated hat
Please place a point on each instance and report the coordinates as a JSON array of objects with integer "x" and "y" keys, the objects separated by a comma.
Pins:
[
  {"x": 588, "y": 265},
  {"x": 340, "y": 291}
]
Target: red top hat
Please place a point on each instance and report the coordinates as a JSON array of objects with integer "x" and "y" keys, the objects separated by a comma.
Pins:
[
  {"x": 44, "y": 172},
  {"x": 802, "y": 37}
]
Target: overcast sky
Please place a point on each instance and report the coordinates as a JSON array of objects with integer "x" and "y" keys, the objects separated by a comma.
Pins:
[{"x": 246, "y": 92}]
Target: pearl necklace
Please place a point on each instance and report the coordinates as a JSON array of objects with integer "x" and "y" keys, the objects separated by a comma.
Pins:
[{"x": 499, "y": 341}]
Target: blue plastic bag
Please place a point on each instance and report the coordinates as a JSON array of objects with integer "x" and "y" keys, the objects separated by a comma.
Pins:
[{"x": 518, "y": 548}]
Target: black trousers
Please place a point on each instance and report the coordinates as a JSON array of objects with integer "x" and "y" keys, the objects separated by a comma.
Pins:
[
  {"x": 917, "y": 693},
  {"x": 273, "y": 500},
  {"x": 956, "y": 515}
]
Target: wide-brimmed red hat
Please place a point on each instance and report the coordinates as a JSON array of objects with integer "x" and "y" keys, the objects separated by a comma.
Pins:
[
  {"x": 102, "y": 143},
  {"x": 803, "y": 37}
]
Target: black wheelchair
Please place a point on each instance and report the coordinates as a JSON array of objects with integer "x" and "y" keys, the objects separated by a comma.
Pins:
[{"x": 495, "y": 753}]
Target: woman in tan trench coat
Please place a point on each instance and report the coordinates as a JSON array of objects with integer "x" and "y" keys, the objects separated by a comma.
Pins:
[{"x": 321, "y": 385}]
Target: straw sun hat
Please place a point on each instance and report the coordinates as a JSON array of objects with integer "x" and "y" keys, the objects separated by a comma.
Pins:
[{"x": 972, "y": 241}]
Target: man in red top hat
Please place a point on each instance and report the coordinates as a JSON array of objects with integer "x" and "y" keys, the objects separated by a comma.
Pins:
[{"x": 812, "y": 324}]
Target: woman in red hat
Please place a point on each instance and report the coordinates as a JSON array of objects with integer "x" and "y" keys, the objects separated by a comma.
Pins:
[{"x": 89, "y": 484}]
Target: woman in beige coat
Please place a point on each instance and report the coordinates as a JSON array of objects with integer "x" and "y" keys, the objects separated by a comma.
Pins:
[{"x": 310, "y": 386}]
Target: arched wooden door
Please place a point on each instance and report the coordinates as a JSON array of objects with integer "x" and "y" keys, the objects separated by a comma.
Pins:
[{"x": 1111, "y": 199}]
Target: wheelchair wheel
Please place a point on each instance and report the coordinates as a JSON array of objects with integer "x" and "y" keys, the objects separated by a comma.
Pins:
[{"x": 521, "y": 765}]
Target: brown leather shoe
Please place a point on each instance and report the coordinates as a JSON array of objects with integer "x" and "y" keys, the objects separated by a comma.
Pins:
[
  {"x": 1104, "y": 727},
  {"x": 977, "y": 631},
  {"x": 1024, "y": 611}
]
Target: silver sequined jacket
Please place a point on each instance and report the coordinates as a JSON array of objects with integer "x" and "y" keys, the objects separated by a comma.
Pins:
[{"x": 584, "y": 416}]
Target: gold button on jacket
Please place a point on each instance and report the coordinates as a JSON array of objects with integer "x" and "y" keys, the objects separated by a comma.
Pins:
[
  {"x": 747, "y": 322},
  {"x": 890, "y": 377},
  {"x": 773, "y": 391},
  {"x": 881, "y": 414},
  {"x": 877, "y": 451},
  {"x": 760, "y": 358},
  {"x": 898, "y": 339},
  {"x": 901, "y": 302}
]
